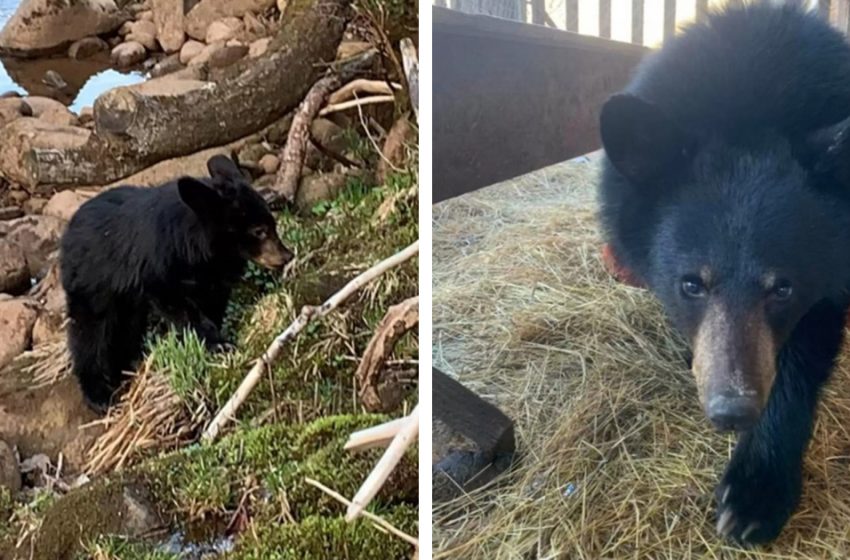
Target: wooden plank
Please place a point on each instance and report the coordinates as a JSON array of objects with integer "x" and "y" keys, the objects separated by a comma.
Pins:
[
  {"x": 637, "y": 22},
  {"x": 468, "y": 414},
  {"x": 572, "y": 15},
  {"x": 669, "y": 18},
  {"x": 605, "y": 19},
  {"x": 702, "y": 9}
]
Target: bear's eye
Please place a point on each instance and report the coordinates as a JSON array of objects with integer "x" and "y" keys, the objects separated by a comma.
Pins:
[
  {"x": 259, "y": 233},
  {"x": 693, "y": 287},
  {"x": 782, "y": 291}
]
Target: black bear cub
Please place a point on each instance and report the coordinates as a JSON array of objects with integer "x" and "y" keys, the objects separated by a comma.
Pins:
[
  {"x": 726, "y": 189},
  {"x": 174, "y": 251}
]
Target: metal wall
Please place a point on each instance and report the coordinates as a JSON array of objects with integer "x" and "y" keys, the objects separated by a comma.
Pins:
[{"x": 511, "y": 97}]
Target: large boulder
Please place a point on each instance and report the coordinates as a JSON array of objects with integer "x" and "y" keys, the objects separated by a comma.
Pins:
[
  {"x": 205, "y": 12},
  {"x": 45, "y": 26},
  {"x": 168, "y": 17},
  {"x": 38, "y": 237},
  {"x": 14, "y": 275},
  {"x": 17, "y": 317}
]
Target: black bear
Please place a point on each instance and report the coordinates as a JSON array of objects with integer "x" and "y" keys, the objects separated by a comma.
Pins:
[
  {"x": 726, "y": 190},
  {"x": 174, "y": 251}
]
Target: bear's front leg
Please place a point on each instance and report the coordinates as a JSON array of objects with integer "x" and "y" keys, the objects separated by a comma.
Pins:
[{"x": 762, "y": 484}]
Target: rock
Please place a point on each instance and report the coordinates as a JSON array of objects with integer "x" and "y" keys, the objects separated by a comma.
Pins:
[
  {"x": 42, "y": 26},
  {"x": 167, "y": 65},
  {"x": 54, "y": 79},
  {"x": 144, "y": 27},
  {"x": 14, "y": 275},
  {"x": 37, "y": 236},
  {"x": 206, "y": 54},
  {"x": 10, "y": 213},
  {"x": 199, "y": 18},
  {"x": 223, "y": 29},
  {"x": 10, "y": 473},
  {"x": 114, "y": 41},
  {"x": 86, "y": 115},
  {"x": 259, "y": 47},
  {"x": 128, "y": 54},
  {"x": 144, "y": 32},
  {"x": 125, "y": 28},
  {"x": 145, "y": 15},
  {"x": 348, "y": 49},
  {"x": 227, "y": 55},
  {"x": 86, "y": 47},
  {"x": 315, "y": 188},
  {"x": 168, "y": 17},
  {"x": 395, "y": 149},
  {"x": 12, "y": 108},
  {"x": 50, "y": 110},
  {"x": 269, "y": 163},
  {"x": 17, "y": 317},
  {"x": 34, "y": 205},
  {"x": 149, "y": 41},
  {"x": 51, "y": 317},
  {"x": 328, "y": 134},
  {"x": 190, "y": 50},
  {"x": 64, "y": 204},
  {"x": 46, "y": 419},
  {"x": 251, "y": 154},
  {"x": 18, "y": 196}
]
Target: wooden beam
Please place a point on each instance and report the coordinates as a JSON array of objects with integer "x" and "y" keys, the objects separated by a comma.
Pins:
[
  {"x": 538, "y": 12},
  {"x": 605, "y": 19},
  {"x": 669, "y": 18},
  {"x": 637, "y": 22},
  {"x": 572, "y": 15},
  {"x": 702, "y": 9}
]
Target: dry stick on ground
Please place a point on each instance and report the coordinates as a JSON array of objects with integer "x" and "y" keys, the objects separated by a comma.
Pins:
[
  {"x": 295, "y": 149},
  {"x": 362, "y": 85},
  {"x": 371, "y": 516},
  {"x": 355, "y": 102},
  {"x": 399, "y": 320},
  {"x": 411, "y": 72},
  {"x": 376, "y": 479},
  {"x": 308, "y": 313},
  {"x": 376, "y": 436}
]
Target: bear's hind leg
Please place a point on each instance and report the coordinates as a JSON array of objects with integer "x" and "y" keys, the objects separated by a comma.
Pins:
[
  {"x": 102, "y": 346},
  {"x": 762, "y": 484}
]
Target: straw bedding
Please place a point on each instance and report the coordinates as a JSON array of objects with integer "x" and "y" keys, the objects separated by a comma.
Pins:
[{"x": 618, "y": 458}]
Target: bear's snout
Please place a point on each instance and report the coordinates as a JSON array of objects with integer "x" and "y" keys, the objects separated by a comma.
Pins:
[{"x": 273, "y": 254}]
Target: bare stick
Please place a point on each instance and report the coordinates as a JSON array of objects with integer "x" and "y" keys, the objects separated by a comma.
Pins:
[
  {"x": 375, "y": 436},
  {"x": 403, "y": 439},
  {"x": 292, "y": 156},
  {"x": 356, "y": 102},
  {"x": 362, "y": 85},
  {"x": 307, "y": 314},
  {"x": 370, "y": 516},
  {"x": 411, "y": 71}
]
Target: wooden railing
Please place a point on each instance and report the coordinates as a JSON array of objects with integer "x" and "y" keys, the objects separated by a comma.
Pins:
[{"x": 571, "y": 15}]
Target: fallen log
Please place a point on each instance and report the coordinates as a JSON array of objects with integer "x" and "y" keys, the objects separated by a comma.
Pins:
[{"x": 137, "y": 126}]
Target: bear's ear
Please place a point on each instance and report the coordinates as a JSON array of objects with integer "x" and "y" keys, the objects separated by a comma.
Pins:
[
  {"x": 826, "y": 152},
  {"x": 200, "y": 197},
  {"x": 223, "y": 167},
  {"x": 640, "y": 140}
]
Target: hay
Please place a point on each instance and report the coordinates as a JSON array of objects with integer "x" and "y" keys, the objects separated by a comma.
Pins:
[
  {"x": 149, "y": 418},
  {"x": 618, "y": 459}
]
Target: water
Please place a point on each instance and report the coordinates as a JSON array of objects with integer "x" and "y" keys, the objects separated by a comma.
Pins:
[{"x": 86, "y": 79}]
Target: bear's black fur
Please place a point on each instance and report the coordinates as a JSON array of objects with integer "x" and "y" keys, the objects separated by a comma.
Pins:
[
  {"x": 174, "y": 250},
  {"x": 726, "y": 189}
]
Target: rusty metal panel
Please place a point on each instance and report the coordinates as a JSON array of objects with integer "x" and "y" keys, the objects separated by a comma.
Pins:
[{"x": 510, "y": 98}]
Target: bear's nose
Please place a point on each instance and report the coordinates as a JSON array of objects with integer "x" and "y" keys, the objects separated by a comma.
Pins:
[{"x": 731, "y": 411}]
